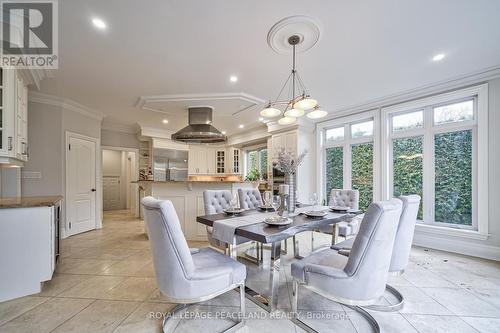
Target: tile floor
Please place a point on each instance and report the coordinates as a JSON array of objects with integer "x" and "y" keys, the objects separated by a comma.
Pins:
[{"x": 105, "y": 283}]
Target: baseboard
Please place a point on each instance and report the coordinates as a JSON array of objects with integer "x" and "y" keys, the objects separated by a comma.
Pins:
[{"x": 462, "y": 246}]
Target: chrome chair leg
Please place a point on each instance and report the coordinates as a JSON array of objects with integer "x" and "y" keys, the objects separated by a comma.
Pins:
[
  {"x": 392, "y": 307},
  {"x": 169, "y": 321},
  {"x": 295, "y": 312}
]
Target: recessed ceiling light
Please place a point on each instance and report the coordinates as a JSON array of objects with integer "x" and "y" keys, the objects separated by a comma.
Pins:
[
  {"x": 165, "y": 121},
  {"x": 223, "y": 132},
  {"x": 438, "y": 57},
  {"x": 241, "y": 126},
  {"x": 98, "y": 23},
  {"x": 233, "y": 78}
]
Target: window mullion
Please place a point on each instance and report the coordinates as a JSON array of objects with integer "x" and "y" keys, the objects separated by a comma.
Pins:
[{"x": 428, "y": 167}]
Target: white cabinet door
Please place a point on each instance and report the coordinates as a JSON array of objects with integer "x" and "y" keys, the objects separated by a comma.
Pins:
[
  {"x": 278, "y": 144},
  {"x": 210, "y": 161},
  {"x": 220, "y": 161},
  {"x": 192, "y": 162},
  {"x": 291, "y": 143},
  {"x": 21, "y": 119}
]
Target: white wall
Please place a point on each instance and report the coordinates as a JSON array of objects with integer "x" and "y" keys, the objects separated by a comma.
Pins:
[
  {"x": 47, "y": 127},
  {"x": 46, "y": 151},
  {"x": 111, "y": 163},
  {"x": 119, "y": 139}
]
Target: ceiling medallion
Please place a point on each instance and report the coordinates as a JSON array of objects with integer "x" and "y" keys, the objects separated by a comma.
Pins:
[{"x": 298, "y": 100}]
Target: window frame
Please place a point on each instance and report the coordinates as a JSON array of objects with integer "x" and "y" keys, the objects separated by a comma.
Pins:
[
  {"x": 257, "y": 149},
  {"x": 346, "y": 144},
  {"x": 479, "y": 127}
]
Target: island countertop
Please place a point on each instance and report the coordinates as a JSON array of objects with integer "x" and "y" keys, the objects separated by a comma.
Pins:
[{"x": 27, "y": 202}]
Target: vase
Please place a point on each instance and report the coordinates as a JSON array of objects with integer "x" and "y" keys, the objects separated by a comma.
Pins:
[{"x": 290, "y": 180}]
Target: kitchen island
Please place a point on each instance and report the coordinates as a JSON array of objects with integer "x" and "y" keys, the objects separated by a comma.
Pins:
[{"x": 187, "y": 198}]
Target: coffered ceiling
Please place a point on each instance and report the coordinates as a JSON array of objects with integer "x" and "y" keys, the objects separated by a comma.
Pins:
[{"x": 366, "y": 50}]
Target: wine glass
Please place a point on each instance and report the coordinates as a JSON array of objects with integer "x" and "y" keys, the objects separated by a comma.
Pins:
[
  {"x": 313, "y": 200},
  {"x": 233, "y": 202},
  {"x": 276, "y": 202}
]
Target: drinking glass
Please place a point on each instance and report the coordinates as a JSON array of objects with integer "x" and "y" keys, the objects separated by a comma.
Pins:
[
  {"x": 276, "y": 202},
  {"x": 268, "y": 197},
  {"x": 233, "y": 202},
  {"x": 313, "y": 200}
]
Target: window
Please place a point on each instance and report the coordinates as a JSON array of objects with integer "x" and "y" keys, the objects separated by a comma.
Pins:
[
  {"x": 432, "y": 153},
  {"x": 348, "y": 158},
  {"x": 256, "y": 164}
]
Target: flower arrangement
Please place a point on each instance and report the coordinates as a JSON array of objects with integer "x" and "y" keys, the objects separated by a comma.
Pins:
[{"x": 287, "y": 164}]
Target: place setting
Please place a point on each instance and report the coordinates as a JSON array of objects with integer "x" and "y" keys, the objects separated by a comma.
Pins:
[{"x": 233, "y": 209}]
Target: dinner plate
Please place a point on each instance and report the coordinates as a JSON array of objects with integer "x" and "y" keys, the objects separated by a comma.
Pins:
[
  {"x": 315, "y": 213},
  {"x": 340, "y": 208},
  {"x": 233, "y": 211},
  {"x": 278, "y": 220}
]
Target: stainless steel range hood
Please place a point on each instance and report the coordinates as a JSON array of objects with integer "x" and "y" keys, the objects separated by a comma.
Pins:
[{"x": 200, "y": 129}]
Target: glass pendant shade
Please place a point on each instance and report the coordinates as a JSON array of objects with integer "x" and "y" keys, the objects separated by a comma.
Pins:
[
  {"x": 287, "y": 120},
  {"x": 305, "y": 104},
  {"x": 316, "y": 114},
  {"x": 270, "y": 112},
  {"x": 294, "y": 113}
]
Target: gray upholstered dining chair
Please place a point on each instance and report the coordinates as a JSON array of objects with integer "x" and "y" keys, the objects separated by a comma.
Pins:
[
  {"x": 344, "y": 198},
  {"x": 249, "y": 198},
  {"x": 215, "y": 202},
  {"x": 357, "y": 280},
  {"x": 184, "y": 275},
  {"x": 401, "y": 250}
]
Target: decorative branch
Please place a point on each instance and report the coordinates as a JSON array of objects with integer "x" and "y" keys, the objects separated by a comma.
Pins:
[{"x": 287, "y": 164}]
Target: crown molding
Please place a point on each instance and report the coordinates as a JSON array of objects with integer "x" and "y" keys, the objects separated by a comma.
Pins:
[
  {"x": 438, "y": 87},
  {"x": 123, "y": 128},
  {"x": 64, "y": 103}
]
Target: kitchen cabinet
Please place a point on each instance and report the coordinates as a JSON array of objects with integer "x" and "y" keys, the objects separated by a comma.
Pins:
[
  {"x": 29, "y": 260},
  {"x": 296, "y": 142},
  {"x": 233, "y": 161},
  {"x": 285, "y": 141},
  {"x": 201, "y": 160},
  {"x": 13, "y": 118},
  {"x": 220, "y": 161}
]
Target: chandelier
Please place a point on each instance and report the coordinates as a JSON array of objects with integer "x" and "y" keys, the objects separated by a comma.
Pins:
[{"x": 298, "y": 99}]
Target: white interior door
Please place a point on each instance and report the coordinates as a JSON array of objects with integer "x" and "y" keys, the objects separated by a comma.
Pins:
[
  {"x": 111, "y": 192},
  {"x": 81, "y": 189}
]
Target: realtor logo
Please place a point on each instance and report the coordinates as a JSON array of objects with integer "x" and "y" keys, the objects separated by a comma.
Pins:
[{"x": 29, "y": 34}]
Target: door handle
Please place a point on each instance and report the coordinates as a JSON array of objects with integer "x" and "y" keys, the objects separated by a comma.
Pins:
[{"x": 93, "y": 190}]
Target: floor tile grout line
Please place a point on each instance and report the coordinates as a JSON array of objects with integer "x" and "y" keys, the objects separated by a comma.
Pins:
[
  {"x": 95, "y": 300},
  {"x": 29, "y": 309},
  {"x": 126, "y": 317}
]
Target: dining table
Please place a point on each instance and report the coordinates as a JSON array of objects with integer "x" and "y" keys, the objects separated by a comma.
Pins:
[{"x": 274, "y": 235}]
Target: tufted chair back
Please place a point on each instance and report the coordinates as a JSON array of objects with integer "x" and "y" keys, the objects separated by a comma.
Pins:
[
  {"x": 346, "y": 198},
  {"x": 249, "y": 198},
  {"x": 404, "y": 235},
  {"x": 216, "y": 201}
]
